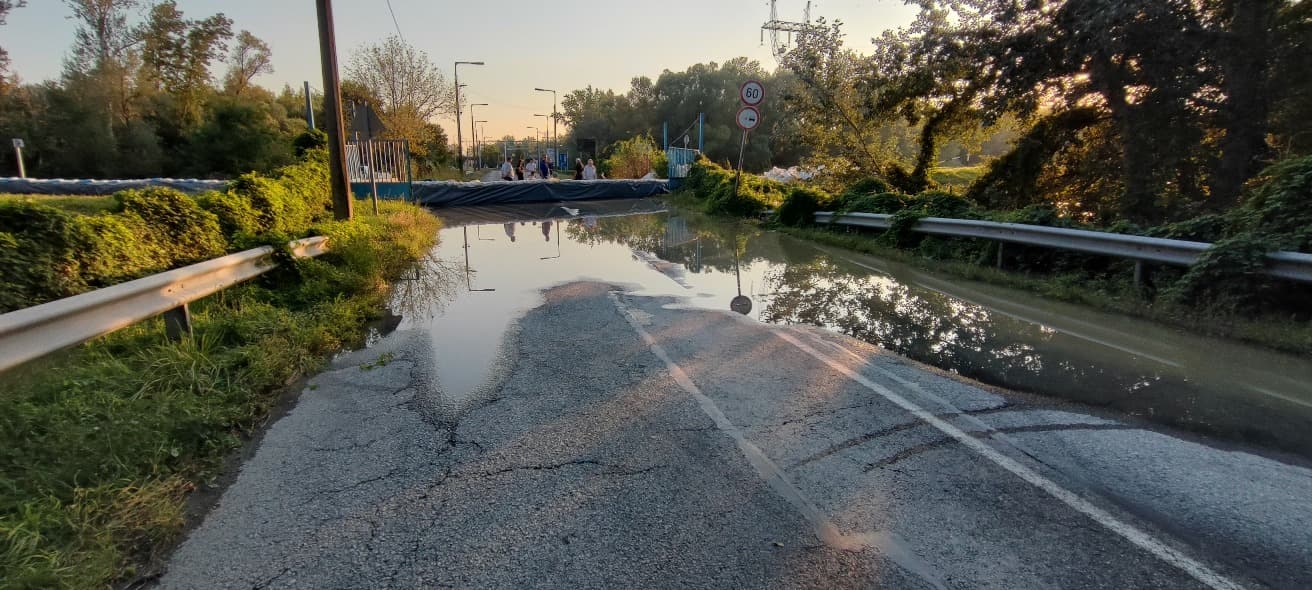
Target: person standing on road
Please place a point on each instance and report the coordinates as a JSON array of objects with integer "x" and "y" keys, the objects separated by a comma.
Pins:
[
  {"x": 578, "y": 169},
  {"x": 507, "y": 170},
  {"x": 590, "y": 171},
  {"x": 519, "y": 169},
  {"x": 544, "y": 169}
]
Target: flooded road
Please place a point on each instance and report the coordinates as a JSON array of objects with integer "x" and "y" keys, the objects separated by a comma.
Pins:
[
  {"x": 493, "y": 263},
  {"x": 569, "y": 402}
]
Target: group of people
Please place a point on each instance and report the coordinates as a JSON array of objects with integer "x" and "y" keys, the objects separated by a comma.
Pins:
[
  {"x": 531, "y": 169},
  {"x": 582, "y": 172},
  {"x": 540, "y": 169}
]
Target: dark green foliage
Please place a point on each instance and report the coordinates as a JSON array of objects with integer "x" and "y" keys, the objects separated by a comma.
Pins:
[
  {"x": 1228, "y": 277},
  {"x": 1205, "y": 228},
  {"x": 800, "y": 206},
  {"x": 866, "y": 186},
  {"x": 37, "y": 245},
  {"x": 312, "y": 139},
  {"x": 53, "y": 254},
  {"x": 1280, "y": 205},
  {"x": 1012, "y": 181},
  {"x": 715, "y": 186},
  {"x": 881, "y": 203},
  {"x": 240, "y": 136},
  {"x": 176, "y": 223}
]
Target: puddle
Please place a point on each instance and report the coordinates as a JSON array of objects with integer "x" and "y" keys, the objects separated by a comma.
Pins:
[{"x": 493, "y": 263}]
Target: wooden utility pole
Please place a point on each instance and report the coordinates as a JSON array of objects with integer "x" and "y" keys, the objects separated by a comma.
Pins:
[{"x": 332, "y": 106}]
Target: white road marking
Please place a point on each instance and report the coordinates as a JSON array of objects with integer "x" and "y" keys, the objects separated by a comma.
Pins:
[
  {"x": 1139, "y": 538},
  {"x": 886, "y": 542}
]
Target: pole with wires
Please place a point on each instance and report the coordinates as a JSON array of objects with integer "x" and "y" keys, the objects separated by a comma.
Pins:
[{"x": 332, "y": 104}]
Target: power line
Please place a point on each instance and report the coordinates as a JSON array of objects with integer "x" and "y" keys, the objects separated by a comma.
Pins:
[{"x": 394, "y": 21}]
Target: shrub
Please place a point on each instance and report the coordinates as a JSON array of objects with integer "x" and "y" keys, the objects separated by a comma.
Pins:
[
  {"x": 866, "y": 186},
  {"x": 880, "y": 203},
  {"x": 234, "y": 211},
  {"x": 308, "y": 182},
  {"x": 276, "y": 211},
  {"x": 38, "y": 255},
  {"x": 114, "y": 248},
  {"x": 312, "y": 139},
  {"x": 176, "y": 223},
  {"x": 799, "y": 207},
  {"x": 634, "y": 158}
]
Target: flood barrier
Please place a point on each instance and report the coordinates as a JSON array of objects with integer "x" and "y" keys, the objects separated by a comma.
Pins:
[{"x": 460, "y": 194}]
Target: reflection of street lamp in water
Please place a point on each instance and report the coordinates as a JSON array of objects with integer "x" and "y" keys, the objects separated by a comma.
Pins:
[
  {"x": 557, "y": 241},
  {"x": 468, "y": 280}
]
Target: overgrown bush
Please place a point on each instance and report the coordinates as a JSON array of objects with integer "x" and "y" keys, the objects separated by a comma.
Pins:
[
  {"x": 634, "y": 158},
  {"x": 881, "y": 203},
  {"x": 866, "y": 186},
  {"x": 116, "y": 248},
  {"x": 38, "y": 247},
  {"x": 175, "y": 223},
  {"x": 715, "y": 186},
  {"x": 799, "y": 208}
]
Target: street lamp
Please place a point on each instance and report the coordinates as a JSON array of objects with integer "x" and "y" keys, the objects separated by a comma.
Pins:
[
  {"x": 554, "y": 116},
  {"x": 460, "y": 148},
  {"x": 471, "y": 122},
  {"x": 544, "y": 127},
  {"x": 478, "y": 143}
]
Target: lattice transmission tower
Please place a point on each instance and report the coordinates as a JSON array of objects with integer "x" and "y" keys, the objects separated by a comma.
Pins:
[{"x": 779, "y": 44}]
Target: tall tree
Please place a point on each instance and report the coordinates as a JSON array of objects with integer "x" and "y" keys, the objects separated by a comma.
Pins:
[
  {"x": 5, "y": 7},
  {"x": 403, "y": 78},
  {"x": 251, "y": 57},
  {"x": 177, "y": 54}
]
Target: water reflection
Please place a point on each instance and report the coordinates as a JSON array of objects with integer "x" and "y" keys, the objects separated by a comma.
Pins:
[{"x": 992, "y": 334}]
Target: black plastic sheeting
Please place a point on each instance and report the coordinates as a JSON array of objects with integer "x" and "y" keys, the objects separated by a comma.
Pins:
[
  {"x": 505, "y": 192},
  {"x": 60, "y": 186}
]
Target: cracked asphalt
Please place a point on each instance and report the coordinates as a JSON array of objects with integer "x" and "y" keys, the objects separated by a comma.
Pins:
[{"x": 626, "y": 441}]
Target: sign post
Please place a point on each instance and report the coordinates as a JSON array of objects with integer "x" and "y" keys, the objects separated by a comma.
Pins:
[
  {"x": 18, "y": 151},
  {"x": 751, "y": 93}
]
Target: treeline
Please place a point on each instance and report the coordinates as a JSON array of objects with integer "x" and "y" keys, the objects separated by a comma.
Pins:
[
  {"x": 1135, "y": 111},
  {"x": 785, "y": 137},
  {"x": 177, "y": 96}
]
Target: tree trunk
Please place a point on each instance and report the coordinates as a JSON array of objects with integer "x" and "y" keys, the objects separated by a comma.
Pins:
[{"x": 1245, "y": 59}]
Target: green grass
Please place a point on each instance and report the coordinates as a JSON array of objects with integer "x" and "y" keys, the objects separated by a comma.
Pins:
[
  {"x": 1117, "y": 296},
  {"x": 76, "y": 204},
  {"x": 958, "y": 177},
  {"x": 100, "y": 446}
]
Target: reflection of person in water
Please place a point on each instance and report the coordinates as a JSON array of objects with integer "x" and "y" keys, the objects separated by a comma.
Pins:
[
  {"x": 510, "y": 231},
  {"x": 546, "y": 231}
]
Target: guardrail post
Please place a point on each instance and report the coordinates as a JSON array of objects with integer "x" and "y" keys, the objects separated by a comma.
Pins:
[
  {"x": 177, "y": 322},
  {"x": 1000, "y": 246},
  {"x": 1138, "y": 274}
]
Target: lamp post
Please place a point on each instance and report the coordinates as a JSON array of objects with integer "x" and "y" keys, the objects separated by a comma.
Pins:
[
  {"x": 460, "y": 148},
  {"x": 478, "y": 143},
  {"x": 546, "y": 129},
  {"x": 471, "y": 122},
  {"x": 554, "y": 116}
]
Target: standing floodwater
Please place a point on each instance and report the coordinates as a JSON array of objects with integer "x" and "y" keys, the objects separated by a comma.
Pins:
[{"x": 502, "y": 258}]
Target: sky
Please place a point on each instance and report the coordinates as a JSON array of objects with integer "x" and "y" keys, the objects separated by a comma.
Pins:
[{"x": 560, "y": 44}]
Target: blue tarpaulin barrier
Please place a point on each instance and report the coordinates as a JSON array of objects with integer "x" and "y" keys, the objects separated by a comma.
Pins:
[
  {"x": 60, "y": 186},
  {"x": 460, "y": 194}
]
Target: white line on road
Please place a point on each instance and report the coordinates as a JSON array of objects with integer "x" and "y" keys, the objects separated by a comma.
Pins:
[
  {"x": 1143, "y": 540},
  {"x": 888, "y": 543}
]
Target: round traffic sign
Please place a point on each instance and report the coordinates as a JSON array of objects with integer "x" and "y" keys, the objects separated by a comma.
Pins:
[
  {"x": 752, "y": 93},
  {"x": 741, "y": 304},
  {"x": 749, "y": 118}
]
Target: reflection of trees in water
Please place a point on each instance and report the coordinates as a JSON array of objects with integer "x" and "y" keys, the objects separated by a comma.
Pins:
[
  {"x": 427, "y": 288},
  {"x": 697, "y": 242}
]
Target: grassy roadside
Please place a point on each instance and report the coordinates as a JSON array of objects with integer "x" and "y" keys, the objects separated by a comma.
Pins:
[
  {"x": 100, "y": 447},
  {"x": 1273, "y": 332}
]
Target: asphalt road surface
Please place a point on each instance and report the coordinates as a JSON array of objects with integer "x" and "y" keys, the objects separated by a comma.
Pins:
[{"x": 627, "y": 442}]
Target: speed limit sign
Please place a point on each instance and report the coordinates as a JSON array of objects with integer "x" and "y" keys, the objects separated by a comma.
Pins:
[
  {"x": 749, "y": 118},
  {"x": 752, "y": 93}
]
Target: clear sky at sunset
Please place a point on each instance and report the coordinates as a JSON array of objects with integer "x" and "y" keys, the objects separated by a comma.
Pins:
[{"x": 564, "y": 44}]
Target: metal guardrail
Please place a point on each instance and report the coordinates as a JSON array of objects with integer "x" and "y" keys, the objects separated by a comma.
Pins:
[
  {"x": 1295, "y": 266},
  {"x": 36, "y": 331}
]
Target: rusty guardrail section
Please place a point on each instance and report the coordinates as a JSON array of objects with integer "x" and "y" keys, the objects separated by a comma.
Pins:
[
  {"x": 36, "y": 331},
  {"x": 1295, "y": 266}
]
